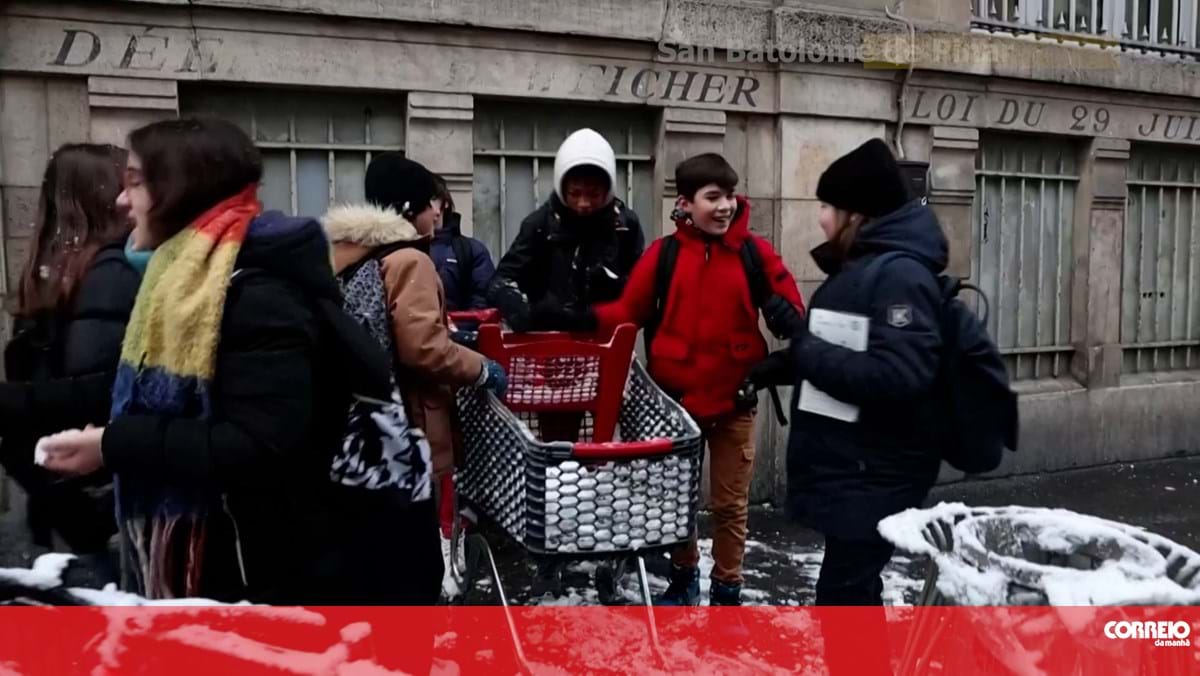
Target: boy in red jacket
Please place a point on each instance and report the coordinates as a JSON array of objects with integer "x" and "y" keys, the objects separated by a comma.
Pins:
[{"x": 704, "y": 346}]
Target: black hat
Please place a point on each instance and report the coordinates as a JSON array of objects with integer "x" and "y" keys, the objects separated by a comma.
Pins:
[
  {"x": 866, "y": 181},
  {"x": 399, "y": 183}
]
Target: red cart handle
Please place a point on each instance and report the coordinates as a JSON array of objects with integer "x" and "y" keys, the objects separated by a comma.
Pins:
[
  {"x": 484, "y": 316},
  {"x": 617, "y": 450}
]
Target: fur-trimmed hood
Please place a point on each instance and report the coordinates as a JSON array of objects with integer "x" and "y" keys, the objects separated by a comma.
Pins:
[{"x": 367, "y": 225}]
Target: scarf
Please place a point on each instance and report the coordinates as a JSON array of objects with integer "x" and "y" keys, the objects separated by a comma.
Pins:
[
  {"x": 167, "y": 365},
  {"x": 138, "y": 258}
]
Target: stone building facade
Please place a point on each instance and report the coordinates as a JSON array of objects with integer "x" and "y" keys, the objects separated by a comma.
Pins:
[{"x": 1060, "y": 148}]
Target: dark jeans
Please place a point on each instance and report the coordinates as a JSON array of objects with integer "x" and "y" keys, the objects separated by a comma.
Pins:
[
  {"x": 393, "y": 557},
  {"x": 850, "y": 572},
  {"x": 850, "y": 577}
]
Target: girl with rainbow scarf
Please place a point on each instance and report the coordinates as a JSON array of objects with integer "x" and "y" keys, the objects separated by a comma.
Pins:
[{"x": 233, "y": 385}]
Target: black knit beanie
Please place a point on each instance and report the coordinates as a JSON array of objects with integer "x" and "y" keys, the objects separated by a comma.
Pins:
[
  {"x": 399, "y": 183},
  {"x": 866, "y": 181}
]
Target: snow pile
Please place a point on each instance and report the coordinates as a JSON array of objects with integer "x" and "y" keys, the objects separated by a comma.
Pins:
[
  {"x": 334, "y": 660},
  {"x": 46, "y": 572},
  {"x": 443, "y": 667},
  {"x": 1113, "y": 585},
  {"x": 255, "y": 652},
  {"x": 907, "y": 529},
  {"x": 1018, "y": 555},
  {"x": 364, "y": 668},
  {"x": 109, "y": 596}
]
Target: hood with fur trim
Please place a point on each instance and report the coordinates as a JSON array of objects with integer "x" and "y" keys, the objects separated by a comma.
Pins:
[{"x": 368, "y": 225}]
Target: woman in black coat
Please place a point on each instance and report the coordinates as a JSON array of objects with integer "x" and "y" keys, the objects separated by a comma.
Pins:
[
  {"x": 75, "y": 295},
  {"x": 234, "y": 384},
  {"x": 844, "y": 476}
]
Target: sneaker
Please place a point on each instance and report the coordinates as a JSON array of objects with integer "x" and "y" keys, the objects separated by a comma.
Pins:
[
  {"x": 730, "y": 627},
  {"x": 724, "y": 594},
  {"x": 684, "y": 589}
]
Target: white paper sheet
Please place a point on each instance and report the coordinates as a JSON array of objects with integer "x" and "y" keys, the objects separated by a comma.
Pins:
[
  {"x": 813, "y": 400},
  {"x": 843, "y": 329},
  {"x": 840, "y": 328}
]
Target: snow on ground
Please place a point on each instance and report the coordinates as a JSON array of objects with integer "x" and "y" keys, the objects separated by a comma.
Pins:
[
  {"x": 442, "y": 667},
  {"x": 109, "y": 596},
  {"x": 780, "y": 575},
  {"x": 249, "y": 650},
  {"x": 46, "y": 572}
]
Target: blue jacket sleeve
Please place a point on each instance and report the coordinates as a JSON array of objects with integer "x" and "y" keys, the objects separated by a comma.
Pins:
[
  {"x": 903, "y": 343},
  {"x": 482, "y": 271}
]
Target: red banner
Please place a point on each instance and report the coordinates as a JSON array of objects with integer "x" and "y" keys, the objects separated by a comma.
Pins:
[{"x": 554, "y": 640}]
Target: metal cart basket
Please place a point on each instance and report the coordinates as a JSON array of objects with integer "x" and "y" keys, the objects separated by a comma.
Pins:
[{"x": 584, "y": 458}]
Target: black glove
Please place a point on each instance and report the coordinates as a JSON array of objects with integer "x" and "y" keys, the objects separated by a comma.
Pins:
[
  {"x": 746, "y": 397},
  {"x": 513, "y": 305},
  {"x": 776, "y": 370},
  {"x": 783, "y": 319}
]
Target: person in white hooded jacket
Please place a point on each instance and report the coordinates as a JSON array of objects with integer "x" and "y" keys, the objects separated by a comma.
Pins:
[{"x": 577, "y": 248}]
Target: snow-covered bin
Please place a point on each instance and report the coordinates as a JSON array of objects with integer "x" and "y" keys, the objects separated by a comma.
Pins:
[{"x": 1036, "y": 556}]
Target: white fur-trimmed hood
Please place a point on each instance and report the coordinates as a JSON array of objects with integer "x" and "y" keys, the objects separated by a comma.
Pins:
[{"x": 368, "y": 225}]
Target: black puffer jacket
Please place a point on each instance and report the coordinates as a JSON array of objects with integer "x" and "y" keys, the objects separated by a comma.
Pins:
[
  {"x": 287, "y": 361},
  {"x": 566, "y": 260},
  {"x": 60, "y": 370},
  {"x": 844, "y": 477}
]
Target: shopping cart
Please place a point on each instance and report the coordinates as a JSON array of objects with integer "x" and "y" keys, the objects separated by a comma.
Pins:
[
  {"x": 585, "y": 457},
  {"x": 466, "y": 324},
  {"x": 472, "y": 319}
]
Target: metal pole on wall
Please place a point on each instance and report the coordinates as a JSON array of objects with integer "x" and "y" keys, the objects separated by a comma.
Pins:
[{"x": 6, "y": 321}]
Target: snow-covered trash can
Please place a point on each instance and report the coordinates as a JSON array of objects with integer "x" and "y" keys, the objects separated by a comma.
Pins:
[
  {"x": 1034, "y": 556},
  {"x": 1074, "y": 578}
]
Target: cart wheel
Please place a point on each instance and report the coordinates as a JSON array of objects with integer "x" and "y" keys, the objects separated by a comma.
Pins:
[{"x": 608, "y": 580}]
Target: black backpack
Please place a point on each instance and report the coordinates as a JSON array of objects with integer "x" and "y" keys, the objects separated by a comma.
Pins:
[
  {"x": 756, "y": 277},
  {"x": 972, "y": 385}
]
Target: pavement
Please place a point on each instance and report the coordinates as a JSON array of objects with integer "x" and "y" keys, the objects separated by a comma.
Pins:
[{"x": 782, "y": 558}]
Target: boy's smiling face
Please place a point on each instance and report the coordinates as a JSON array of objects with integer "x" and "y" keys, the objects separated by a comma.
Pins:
[{"x": 712, "y": 209}]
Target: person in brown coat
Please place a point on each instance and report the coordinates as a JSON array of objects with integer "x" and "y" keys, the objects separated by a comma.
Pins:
[{"x": 396, "y": 227}]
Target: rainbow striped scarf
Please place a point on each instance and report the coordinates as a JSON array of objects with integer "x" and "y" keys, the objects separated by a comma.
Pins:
[{"x": 167, "y": 365}]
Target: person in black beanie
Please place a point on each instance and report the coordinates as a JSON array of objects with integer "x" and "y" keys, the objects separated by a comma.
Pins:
[
  {"x": 875, "y": 455},
  {"x": 406, "y": 187},
  {"x": 392, "y": 231}
]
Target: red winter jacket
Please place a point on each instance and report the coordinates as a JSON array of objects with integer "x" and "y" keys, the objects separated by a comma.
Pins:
[{"x": 709, "y": 335}]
